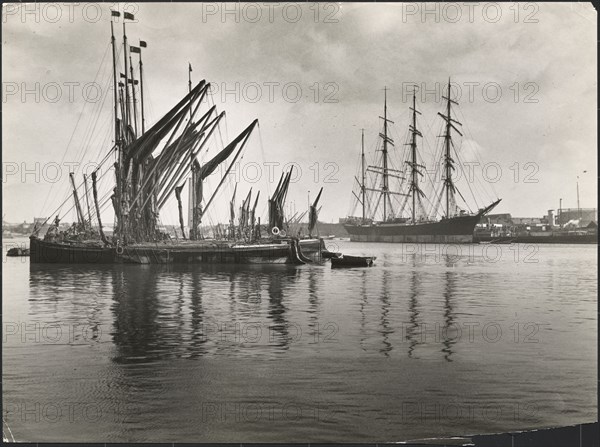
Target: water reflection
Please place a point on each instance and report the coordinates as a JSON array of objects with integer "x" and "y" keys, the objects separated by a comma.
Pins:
[
  {"x": 363, "y": 305},
  {"x": 449, "y": 337},
  {"x": 196, "y": 346},
  {"x": 153, "y": 312},
  {"x": 69, "y": 297},
  {"x": 313, "y": 304},
  {"x": 419, "y": 332},
  {"x": 138, "y": 334},
  {"x": 386, "y": 330},
  {"x": 413, "y": 309}
]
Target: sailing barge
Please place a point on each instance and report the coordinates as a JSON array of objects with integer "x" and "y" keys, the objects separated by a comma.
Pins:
[
  {"x": 408, "y": 219},
  {"x": 150, "y": 166}
]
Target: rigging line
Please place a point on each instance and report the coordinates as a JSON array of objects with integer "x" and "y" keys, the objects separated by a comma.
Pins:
[
  {"x": 88, "y": 144},
  {"x": 97, "y": 110},
  {"x": 67, "y": 199},
  {"x": 105, "y": 142},
  {"x": 73, "y": 133},
  {"x": 262, "y": 151},
  {"x": 72, "y": 206},
  {"x": 210, "y": 96},
  {"x": 69, "y": 194},
  {"x": 479, "y": 159},
  {"x": 96, "y": 113},
  {"x": 466, "y": 180}
]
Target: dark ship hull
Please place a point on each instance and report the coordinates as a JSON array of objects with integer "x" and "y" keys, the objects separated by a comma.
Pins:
[
  {"x": 44, "y": 252},
  {"x": 454, "y": 230},
  {"x": 270, "y": 252}
]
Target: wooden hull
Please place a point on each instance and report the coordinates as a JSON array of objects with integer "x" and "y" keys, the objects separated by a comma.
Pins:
[
  {"x": 278, "y": 252},
  {"x": 42, "y": 252}
]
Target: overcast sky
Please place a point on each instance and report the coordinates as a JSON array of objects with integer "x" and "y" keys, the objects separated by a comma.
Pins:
[{"x": 314, "y": 76}]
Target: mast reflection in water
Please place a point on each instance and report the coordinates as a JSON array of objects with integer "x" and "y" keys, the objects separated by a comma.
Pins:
[{"x": 151, "y": 348}]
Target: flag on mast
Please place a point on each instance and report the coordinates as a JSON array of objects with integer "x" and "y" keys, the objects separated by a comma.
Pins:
[
  {"x": 128, "y": 15},
  {"x": 142, "y": 43},
  {"x": 115, "y": 13}
]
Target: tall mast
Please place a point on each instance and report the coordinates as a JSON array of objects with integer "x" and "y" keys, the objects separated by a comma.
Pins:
[
  {"x": 133, "y": 93},
  {"x": 385, "y": 157},
  {"x": 190, "y": 81},
  {"x": 142, "y": 45},
  {"x": 448, "y": 161},
  {"x": 118, "y": 209},
  {"x": 414, "y": 185},
  {"x": 127, "y": 120},
  {"x": 192, "y": 195},
  {"x": 362, "y": 186},
  {"x": 115, "y": 86},
  {"x": 448, "y": 141}
]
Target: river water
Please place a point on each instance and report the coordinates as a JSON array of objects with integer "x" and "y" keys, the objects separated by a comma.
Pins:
[{"x": 433, "y": 341}]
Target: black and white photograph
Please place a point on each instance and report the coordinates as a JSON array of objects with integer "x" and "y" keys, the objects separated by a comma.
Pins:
[{"x": 300, "y": 222}]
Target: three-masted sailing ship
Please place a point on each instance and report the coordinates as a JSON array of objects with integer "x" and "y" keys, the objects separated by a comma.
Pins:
[
  {"x": 153, "y": 165},
  {"x": 406, "y": 216}
]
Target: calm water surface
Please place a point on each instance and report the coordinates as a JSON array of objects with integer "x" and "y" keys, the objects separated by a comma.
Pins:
[{"x": 433, "y": 341}]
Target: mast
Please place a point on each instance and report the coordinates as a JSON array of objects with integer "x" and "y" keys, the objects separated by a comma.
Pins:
[
  {"x": 362, "y": 161},
  {"x": 95, "y": 192},
  {"x": 126, "y": 78},
  {"x": 190, "y": 81},
  {"x": 133, "y": 93},
  {"x": 448, "y": 161},
  {"x": 117, "y": 132},
  {"x": 413, "y": 148},
  {"x": 414, "y": 185},
  {"x": 115, "y": 86},
  {"x": 232, "y": 214},
  {"x": 87, "y": 199},
  {"x": 80, "y": 217},
  {"x": 192, "y": 183},
  {"x": 385, "y": 157},
  {"x": 142, "y": 45},
  {"x": 180, "y": 208}
]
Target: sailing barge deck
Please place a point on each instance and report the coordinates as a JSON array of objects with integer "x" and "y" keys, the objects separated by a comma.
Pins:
[{"x": 187, "y": 252}]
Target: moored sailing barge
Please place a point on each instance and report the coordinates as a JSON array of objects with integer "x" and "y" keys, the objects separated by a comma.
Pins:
[{"x": 153, "y": 165}]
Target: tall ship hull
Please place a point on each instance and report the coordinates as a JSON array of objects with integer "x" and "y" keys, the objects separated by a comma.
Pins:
[{"x": 454, "y": 230}]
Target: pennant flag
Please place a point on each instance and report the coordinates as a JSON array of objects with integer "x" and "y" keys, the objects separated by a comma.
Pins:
[
  {"x": 115, "y": 13},
  {"x": 128, "y": 15},
  {"x": 135, "y": 49},
  {"x": 142, "y": 43}
]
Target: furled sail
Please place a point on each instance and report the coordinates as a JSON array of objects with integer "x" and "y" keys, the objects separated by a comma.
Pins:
[{"x": 313, "y": 214}]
